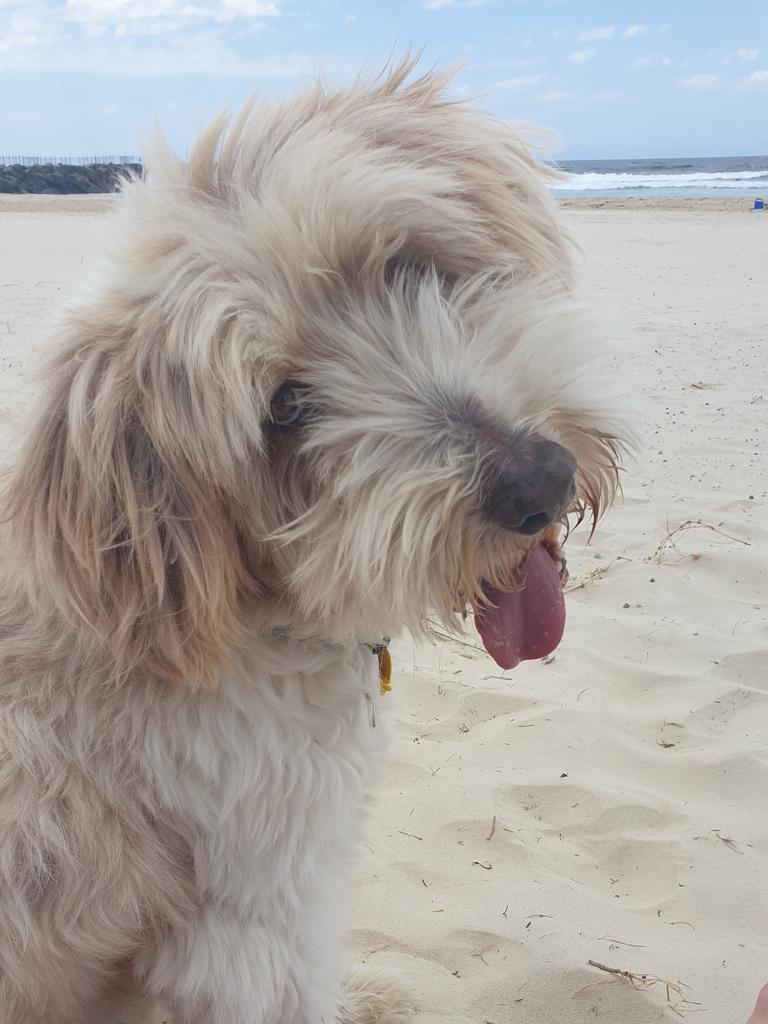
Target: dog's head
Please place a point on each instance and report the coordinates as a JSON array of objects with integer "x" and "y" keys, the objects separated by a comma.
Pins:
[{"x": 333, "y": 377}]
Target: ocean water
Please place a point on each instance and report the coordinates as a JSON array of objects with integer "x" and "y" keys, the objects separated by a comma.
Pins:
[{"x": 745, "y": 176}]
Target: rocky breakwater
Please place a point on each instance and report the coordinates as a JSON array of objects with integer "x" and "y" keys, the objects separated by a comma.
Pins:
[{"x": 64, "y": 179}]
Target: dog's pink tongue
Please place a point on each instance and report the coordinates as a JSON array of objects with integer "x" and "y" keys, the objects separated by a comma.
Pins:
[{"x": 529, "y": 622}]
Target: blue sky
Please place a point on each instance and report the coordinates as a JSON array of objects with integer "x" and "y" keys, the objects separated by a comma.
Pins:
[{"x": 623, "y": 79}]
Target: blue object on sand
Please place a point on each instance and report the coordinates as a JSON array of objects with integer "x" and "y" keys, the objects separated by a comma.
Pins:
[{"x": 759, "y": 204}]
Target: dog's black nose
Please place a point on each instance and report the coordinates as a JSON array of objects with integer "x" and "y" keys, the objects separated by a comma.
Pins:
[{"x": 534, "y": 488}]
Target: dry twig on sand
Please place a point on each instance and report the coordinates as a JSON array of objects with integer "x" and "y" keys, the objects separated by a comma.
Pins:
[
  {"x": 594, "y": 574},
  {"x": 677, "y": 1001},
  {"x": 690, "y": 524}
]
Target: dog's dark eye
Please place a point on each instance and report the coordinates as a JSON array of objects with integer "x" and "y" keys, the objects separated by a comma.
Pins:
[{"x": 289, "y": 404}]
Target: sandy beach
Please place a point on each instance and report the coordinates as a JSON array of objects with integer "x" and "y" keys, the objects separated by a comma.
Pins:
[{"x": 609, "y": 805}]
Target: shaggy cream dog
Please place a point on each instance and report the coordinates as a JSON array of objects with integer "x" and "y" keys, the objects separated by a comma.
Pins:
[{"x": 333, "y": 380}]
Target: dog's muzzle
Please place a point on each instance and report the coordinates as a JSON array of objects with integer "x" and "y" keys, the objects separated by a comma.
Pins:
[{"x": 533, "y": 488}]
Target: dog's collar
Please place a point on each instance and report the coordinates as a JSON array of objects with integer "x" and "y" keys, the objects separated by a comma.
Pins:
[{"x": 379, "y": 648}]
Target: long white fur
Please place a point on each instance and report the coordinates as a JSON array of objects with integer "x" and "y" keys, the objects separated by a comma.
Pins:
[{"x": 187, "y": 698}]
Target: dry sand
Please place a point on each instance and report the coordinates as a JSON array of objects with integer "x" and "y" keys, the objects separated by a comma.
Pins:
[{"x": 609, "y": 805}]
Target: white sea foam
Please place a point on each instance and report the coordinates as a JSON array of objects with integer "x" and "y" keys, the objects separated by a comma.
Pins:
[{"x": 594, "y": 182}]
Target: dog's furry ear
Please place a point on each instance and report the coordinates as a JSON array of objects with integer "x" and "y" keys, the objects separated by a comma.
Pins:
[{"x": 134, "y": 545}]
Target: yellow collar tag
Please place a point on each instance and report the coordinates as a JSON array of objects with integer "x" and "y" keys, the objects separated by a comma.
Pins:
[
  {"x": 385, "y": 670},
  {"x": 381, "y": 650}
]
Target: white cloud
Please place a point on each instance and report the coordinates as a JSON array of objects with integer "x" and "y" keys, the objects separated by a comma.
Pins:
[
  {"x": 137, "y": 28},
  {"x": 26, "y": 32},
  {"x": 758, "y": 79},
  {"x": 350, "y": 19},
  {"x": 439, "y": 5},
  {"x": 512, "y": 62},
  {"x": 249, "y": 9},
  {"x": 141, "y": 37},
  {"x": 32, "y": 42},
  {"x": 696, "y": 82},
  {"x": 556, "y": 96},
  {"x": 747, "y": 54},
  {"x": 572, "y": 101},
  {"x": 582, "y": 56},
  {"x": 634, "y": 30},
  {"x": 520, "y": 82},
  {"x": 665, "y": 27},
  {"x": 595, "y": 34},
  {"x": 111, "y": 12},
  {"x": 651, "y": 62}
]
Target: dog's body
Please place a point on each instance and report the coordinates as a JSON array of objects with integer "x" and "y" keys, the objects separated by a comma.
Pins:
[
  {"x": 202, "y": 835},
  {"x": 333, "y": 380}
]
